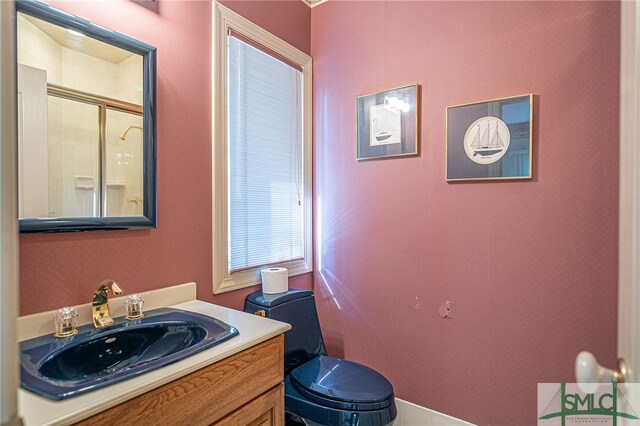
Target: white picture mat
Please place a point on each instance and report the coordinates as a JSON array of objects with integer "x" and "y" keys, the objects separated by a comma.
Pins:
[{"x": 385, "y": 124}]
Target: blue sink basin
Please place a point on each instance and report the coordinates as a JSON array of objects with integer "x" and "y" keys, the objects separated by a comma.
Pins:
[{"x": 94, "y": 358}]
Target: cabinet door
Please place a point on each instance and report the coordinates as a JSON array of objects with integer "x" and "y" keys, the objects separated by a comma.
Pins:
[
  {"x": 207, "y": 395},
  {"x": 265, "y": 410}
]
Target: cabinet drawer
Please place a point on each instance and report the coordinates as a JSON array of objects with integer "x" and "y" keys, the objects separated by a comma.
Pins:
[
  {"x": 207, "y": 395},
  {"x": 265, "y": 410}
]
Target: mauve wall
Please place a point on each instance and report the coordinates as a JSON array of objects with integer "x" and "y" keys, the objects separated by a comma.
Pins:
[
  {"x": 288, "y": 19},
  {"x": 64, "y": 269},
  {"x": 530, "y": 266}
]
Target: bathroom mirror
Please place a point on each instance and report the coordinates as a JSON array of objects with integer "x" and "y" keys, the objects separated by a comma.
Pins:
[{"x": 86, "y": 125}]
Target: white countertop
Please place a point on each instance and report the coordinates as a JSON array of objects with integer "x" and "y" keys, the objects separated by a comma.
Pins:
[{"x": 37, "y": 410}]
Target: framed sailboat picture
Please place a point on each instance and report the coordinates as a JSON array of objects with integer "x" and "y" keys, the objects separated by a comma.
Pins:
[
  {"x": 387, "y": 123},
  {"x": 490, "y": 140}
]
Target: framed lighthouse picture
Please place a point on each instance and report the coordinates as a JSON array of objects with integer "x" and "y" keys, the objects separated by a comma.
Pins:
[{"x": 490, "y": 140}]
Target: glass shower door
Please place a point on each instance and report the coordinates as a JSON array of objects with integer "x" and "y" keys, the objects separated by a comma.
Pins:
[
  {"x": 73, "y": 157},
  {"x": 124, "y": 164}
]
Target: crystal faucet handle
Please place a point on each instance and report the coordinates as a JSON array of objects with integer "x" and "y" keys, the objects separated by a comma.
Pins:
[
  {"x": 133, "y": 305},
  {"x": 65, "y": 321}
]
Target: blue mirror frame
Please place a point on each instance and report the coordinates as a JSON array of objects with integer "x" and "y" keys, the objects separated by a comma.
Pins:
[{"x": 148, "y": 52}]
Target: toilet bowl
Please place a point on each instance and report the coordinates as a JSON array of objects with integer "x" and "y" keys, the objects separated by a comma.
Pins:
[{"x": 319, "y": 389}]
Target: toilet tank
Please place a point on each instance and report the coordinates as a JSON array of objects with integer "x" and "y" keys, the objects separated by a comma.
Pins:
[{"x": 298, "y": 308}]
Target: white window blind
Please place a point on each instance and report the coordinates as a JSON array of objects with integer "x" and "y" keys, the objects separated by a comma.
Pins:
[{"x": 265, "y": 155}]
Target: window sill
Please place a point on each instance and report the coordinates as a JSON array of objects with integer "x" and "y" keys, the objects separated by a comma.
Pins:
[{"x": 250, "y": 278}]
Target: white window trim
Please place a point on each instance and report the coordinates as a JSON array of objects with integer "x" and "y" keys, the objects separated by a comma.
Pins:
[{"x": 223, "y": 20}]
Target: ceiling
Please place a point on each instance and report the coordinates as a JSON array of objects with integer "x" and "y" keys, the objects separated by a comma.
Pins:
[
  {"x": 313, "y": 3},
  {"x": 80, "y": 43}
]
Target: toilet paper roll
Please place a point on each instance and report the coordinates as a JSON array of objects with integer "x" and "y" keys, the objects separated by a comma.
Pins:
[{"x": 275, "y": 280}]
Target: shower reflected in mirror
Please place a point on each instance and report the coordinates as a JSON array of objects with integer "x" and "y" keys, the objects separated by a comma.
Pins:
[{"x": 86, "y": 137}]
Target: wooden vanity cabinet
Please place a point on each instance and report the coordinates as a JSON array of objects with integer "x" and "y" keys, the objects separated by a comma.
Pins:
[{"x": 244, "y": 389}]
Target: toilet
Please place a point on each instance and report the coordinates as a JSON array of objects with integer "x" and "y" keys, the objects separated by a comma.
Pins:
[{"x": 321, "y": 390}]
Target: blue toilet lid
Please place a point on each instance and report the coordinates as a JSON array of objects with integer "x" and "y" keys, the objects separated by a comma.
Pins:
[{"x": 327, "y": 379}]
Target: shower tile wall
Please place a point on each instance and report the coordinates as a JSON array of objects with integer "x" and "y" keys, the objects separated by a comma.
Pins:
[
  {"x": 124, "y": 165},
  {"x": 73, "y": 139}
]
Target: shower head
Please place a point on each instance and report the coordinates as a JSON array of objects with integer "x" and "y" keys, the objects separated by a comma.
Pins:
[{"x": 123, "y": 136}]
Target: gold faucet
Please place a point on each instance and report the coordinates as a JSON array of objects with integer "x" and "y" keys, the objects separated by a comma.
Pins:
[{"x": 100, "y": 309}]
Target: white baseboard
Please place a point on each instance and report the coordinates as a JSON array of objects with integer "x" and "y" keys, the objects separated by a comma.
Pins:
[{"x": 410, "y": 414}]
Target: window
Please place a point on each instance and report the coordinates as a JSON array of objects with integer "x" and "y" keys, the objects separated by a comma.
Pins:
[{"x": 261, "y": 155}]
